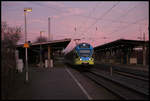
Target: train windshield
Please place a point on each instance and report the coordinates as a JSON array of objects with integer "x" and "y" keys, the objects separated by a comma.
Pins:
[{"x": 84, "y": 53}]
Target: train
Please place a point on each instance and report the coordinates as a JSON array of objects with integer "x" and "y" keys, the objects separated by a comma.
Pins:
[{"x": 82, "y": 54}]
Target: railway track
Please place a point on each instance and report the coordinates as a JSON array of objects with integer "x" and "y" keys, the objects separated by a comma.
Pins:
[
  {"x": 130, "y": 75},
  {"x": 136, "y": 74},
  {"x": 143, "y": 75},
  {"x": 130, "y": 72},
  {"x": 118, "y": 88}
]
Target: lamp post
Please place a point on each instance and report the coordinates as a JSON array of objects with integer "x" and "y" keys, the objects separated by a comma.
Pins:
[
  {"x": 41, "y": 48},
  {"x": 26, "y": 51}
]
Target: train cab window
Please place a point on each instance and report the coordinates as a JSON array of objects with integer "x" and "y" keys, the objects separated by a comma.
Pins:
[
  {"x": 84, "y": 54},
  {"x": 84, "y": 51}
]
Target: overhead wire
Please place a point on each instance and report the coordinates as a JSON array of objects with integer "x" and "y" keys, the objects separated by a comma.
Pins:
[
  {"x": 100, "y": 18},
  {"x": 87, "y": 29},
  {"x": 89, "y": 15},
  {"x": 114, "y": 21},
  {"x": 128, "y": 11},
  {"x": 110, "y": 20},
  {"x": 47, "y": 6},
  {"x": 125, "y": 14},
  {"x": 128, "y": 23},
  {"x": 134, "y": 23},
  {"x": 85, "y": 21},
  {"x": 117, "y": 30}
]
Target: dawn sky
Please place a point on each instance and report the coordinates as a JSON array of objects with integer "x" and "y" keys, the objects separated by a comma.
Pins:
[{"x": 96, "y": 22}]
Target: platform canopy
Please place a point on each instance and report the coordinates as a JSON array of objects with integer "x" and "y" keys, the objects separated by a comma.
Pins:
[
  {"x": 54, "y": 44},
  {"x": 121, "y": 43}
]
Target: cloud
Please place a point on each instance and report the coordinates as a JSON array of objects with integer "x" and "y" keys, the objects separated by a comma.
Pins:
[
  {"x": 9, "y": 3},
  {"x": 38, "y": 21},
  {"x": 55, "y": 16},
  {"x": 76, "y": 11},
  {"x": 14, "y": 3},
  {"x": 73, "y": 11},
  {"x": 69, "y": 12},
  {"x": 58, "y": 4}
]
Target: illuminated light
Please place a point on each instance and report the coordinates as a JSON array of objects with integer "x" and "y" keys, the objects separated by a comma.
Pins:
[
  {"x": 41, "y": 32},
  {"x": 28, "y": 9},
  {"x": 80, "y": 59},
  {"x": 26, "y": 45}
]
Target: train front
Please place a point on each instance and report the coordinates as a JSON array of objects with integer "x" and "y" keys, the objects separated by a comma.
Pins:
[{"x": 84, "y": 52}]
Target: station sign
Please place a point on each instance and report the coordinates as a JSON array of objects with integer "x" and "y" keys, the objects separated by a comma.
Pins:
[{"x": 26, "y": 45}]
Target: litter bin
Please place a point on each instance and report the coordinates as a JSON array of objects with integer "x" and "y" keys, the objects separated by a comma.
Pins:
[
  {"x": 46, "y": 63},
  {"x": 20, "y": 65},
  {"x": 51, "y": 63}
]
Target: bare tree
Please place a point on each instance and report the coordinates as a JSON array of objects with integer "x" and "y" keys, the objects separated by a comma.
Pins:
[{"x": 10, "y": 36}]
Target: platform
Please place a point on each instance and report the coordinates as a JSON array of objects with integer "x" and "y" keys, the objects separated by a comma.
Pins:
[{"x": 48, "y": 84}]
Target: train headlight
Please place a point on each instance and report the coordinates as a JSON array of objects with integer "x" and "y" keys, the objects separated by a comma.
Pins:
[
  {"x": 89, "y": 58},
  {"x": 80, "y": 59}
]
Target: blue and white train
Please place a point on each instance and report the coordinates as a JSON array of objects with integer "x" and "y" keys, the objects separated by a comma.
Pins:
[{"x": 82, "y": 54}]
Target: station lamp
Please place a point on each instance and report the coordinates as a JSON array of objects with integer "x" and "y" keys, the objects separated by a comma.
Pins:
[{"x": 26, "y": 51}]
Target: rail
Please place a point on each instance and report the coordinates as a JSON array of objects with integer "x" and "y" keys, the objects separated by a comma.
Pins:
[{"x": 116, "y": 87}]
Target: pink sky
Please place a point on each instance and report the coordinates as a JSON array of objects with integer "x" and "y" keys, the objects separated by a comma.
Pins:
[{"x": 113, "y": 19}]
